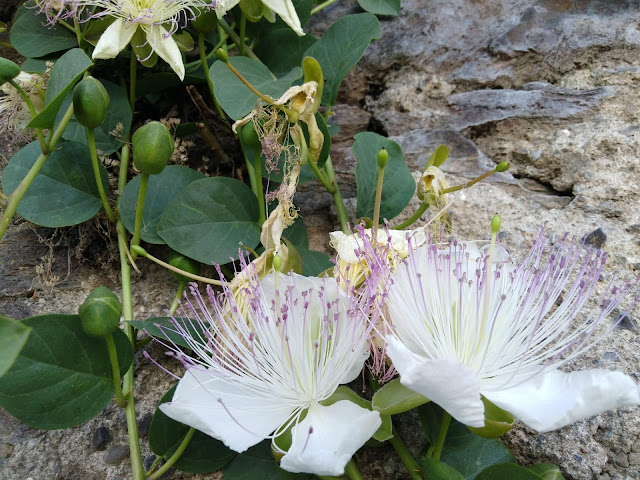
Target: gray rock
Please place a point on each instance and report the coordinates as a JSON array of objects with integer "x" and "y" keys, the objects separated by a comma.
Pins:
[
  {"x": 144, "y": 423},
  {"x": 596, "y": 239},
  {"x": 116, "y": 454},
  {"x": 100, "y": 438}
]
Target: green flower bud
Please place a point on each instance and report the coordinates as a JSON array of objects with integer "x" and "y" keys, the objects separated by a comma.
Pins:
[
  {"x": 100, "y": 313},
  {"x": 187, "y": 264},
  {"x": 249, "y": 137},
  {"x": 502, "y": 167},
  {"x": 252, "y": 9},
  {"x": 222, "y": 55},
  {"x": 8, "y": 70},
  {"x": 152, "y": 148},
  {"x": 277, "y": 262},
  {"x": 383, "y": 158},
  {"x": 495, "y": 223},
  {"x": 90, "y": 102}
]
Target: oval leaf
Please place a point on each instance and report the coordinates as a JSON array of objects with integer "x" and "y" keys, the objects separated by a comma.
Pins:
[
  {"x": 210, "y": 218},
  {"x": 163, "y": 329},
  {"x": 546, "y": 471},
  {"x": 161, "y": 190},
  {"x": 313, "y": 262},
  {"x": 393, "y": 398},
  {"x": 62, "y": 377},
  {"x": 381, "y": 7},
  {"x": 204, "y": 454},
  {"x": 13, "y": 336},
  {"x": 340, "y": 48},
  {"x": 398, "y": 187},
  {"x": 118, "y": 121},
  {"x": 433, "y": 469},
  {"x": 234, "y": 97},
  {"x": 32, "y": 38},
  {"x": 66, "y": 72},
  {"x": 507, "y": 471},
  {"x": 64, "y": 192}
]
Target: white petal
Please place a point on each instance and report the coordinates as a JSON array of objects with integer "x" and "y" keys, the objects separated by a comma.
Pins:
[
  {"x": 328, "y": 437},
  {"x": 287, "y": 12},
  {"x": 224, "y": 411},
  {"x": 358, "y": 362},
  {"x": 446, "y": 382},
  {"x": 166, "y": 48},
  {"x": 223, "y": 6},
  {"x": 555, "y": 399},
  {"x": 114, "y": 39}
]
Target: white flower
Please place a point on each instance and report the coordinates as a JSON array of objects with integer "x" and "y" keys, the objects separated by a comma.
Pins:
[
  {"x": 456, "y": 333},
  {"x": 149, "y": 15},
  {"x": 284, "y": 8},
  {"x": 254, "y": 377}
]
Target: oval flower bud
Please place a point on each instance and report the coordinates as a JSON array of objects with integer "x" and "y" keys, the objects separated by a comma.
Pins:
[
  {"x": 152, "y": 148},
  {"x": 100, "y": 313},
  {"x": 8, "y": 70},
  {"x": 187, "y": 264},
  {"x": 90, "y": 102}
]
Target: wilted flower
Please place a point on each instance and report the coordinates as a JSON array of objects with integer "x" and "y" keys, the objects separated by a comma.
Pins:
[
  {"x": 151, "y": 16},
  {"x": 256, "y": 376},
  {"x": 14, "y": 112},
  {"x": 461, "y": 324}
]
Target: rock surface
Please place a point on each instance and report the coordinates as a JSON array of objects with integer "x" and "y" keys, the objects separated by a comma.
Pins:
[{"x": 548, "y": 85}]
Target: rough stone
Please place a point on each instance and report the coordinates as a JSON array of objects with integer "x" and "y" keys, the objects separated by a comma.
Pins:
[
  {"x": 144, "y": 423},
  {"x": 100, "y": 438},
  {"x": 596, "y": 239},
  {"x": 116, "y": 454}
]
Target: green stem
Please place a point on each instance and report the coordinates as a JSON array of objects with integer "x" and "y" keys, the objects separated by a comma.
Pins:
[
  {"x": 7, "y": 45},
  {"x": 176, "y": 300},
  {"x": 32, "y": 111},
  {"x": 376, "y": 205},
  {"x": 321, "y": 176},
  {"x": 205, "y": 68},
  {"x": 468, "y": 184},
  {"x": 67, "y": 26},
  {"x": 317, "y": 8},
  {"x": 236, "y": 39},
  {"x": 142, "y": 193},
  {"x": 137, "y": 469},
  {"x": 243, "y": 26},
  {"x": 115, "y": 370},
  {"x": 174, "y": 458},
  {"x": 413, "y": 218},
  {"x": 15, "y": 197},
  {"x": 337, "y": 197},
  {"x": 77, "y": 31},
  {"x": 143, "y": 253},
  {"x": 442, "y": 434},
  {"x": 352, "y": 471},
  {"x": 260, "y": 192},
  {"x": 405, "y": 456},
  {"x": 96, "y": 172}
]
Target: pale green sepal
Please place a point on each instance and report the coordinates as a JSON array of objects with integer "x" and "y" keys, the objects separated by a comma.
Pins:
[
  {"x": 497, "y": 421},
  {"x": 395, "y": 398},
  {"x": 438, "y": 157},
  {"x": 142, "y": 49},
  {"x": 184, "y": 40}
]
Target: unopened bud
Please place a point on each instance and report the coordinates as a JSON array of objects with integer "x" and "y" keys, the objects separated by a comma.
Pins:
[
  {"x": 502, "y": 167},
  {"x": 495, "y": 224},
  {"x": 152, "y": 148},
  {"x": 277, "y": 262},
  {"x": 90, "y": 102},
  {"x": 383, "y": 158},
  {"x": 100, "y": 312},
  {"x": 222, "y": 55},
  {"x": 8, "y": 70}
]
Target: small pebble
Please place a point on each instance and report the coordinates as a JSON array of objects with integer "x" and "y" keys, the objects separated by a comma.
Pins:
[
  {"x": 116, "y": 454},
  {"x": 100, "y": 439},
  {"x": 610, "y": 357},
  {"x": 144, "y": 423},
  {"x": 596, "y": 239},
  {"x": 148, "y": 461},
  {"x": 625, "y": 321}
]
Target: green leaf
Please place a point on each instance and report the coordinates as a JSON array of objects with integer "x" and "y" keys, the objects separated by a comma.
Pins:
[
  {"x": 234, "y": 97},
  {"x": 119, "y": 112},
  {"x": 393, "y": 398},
  {"x": 62, "y": 377},
  {"x": 297, "y": 234},
  {"x": 204, "y": 454},
  {"x": 13, "y": 335},
  {"x": 32, "y": 38},
  {"x": 161, "y": 190},
  {"x": 282, "y": 60},
  {"x": 64, "y": 192},
  {"x": 66, "y": 72},
  {"x": 160, "y": 328},
  {"x": 209, "y": 219},
  {"x": 313, "y": 262},
  {"x": 546, "y": 471},
  {"x": 381, "y": 7},
  {"x": 398, "y": 187},
  {"x": 35, "y": 65},
  {"x": 433, "y": 469},
  {"x": 341, "y": 47},
  {"x": 507, "y": 471},
  {"x": 258, "y": 462},
  {"x": 463, "y": 450}
]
